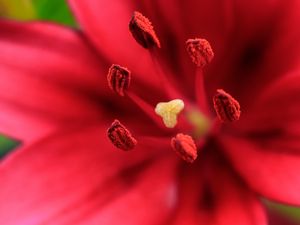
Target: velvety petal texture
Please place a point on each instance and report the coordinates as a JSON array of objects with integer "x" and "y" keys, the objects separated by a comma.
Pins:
[
  {"x": 109, "y": 33},
  {"x": 266, "y": 152},
  {"x": 54, "y": 97},
  {"x": 46, "y": 74},
  {"x": 265, "y": 48},
  {"x": 271, "y": 172},
  {"x": 212, "y": 193},
  {"x": 78, "y": 177}
]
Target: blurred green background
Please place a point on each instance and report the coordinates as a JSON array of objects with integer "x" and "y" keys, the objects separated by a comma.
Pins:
[
  {"x": 52, "y": 10},
  {"x": 59, "y": 12}
]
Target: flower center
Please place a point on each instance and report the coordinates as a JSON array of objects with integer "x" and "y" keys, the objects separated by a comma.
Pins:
[
  {"x": 201, "y": 54},
  {"x": 200, "y": 122}
]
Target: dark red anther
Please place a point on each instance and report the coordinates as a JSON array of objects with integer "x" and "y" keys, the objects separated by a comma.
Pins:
[
  {"x": 200, "y": 51},
  {"x": 118, "y": 79},
  {"x": 142, "y": 31},
  {"x": 185, "y": 147},
  {"x": 227, "y": 108},
  {"x": 120, "y": 136}
]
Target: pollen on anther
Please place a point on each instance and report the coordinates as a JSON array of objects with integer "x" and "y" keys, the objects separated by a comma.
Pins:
[
  {"x": 185, "y": 147},
  {"x": 200, "y": 51},
  {"x": 169, "y": 111},
  {"x": 226, "y": 107},
  {"x": 118, "y": 78},
  {"x": 120, "y": 136},
  {"x": 143, "y": 31}
]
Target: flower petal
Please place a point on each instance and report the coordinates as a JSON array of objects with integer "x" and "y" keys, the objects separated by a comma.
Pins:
[
  {"x": 266, "y": 148},
  {"x": 271, "y": 172},
  {"x": 267, "y": 116},
  {"x": 59, "y": 54},
  {"x": 133, "y": 208},
  {"x": 22, "y": 126},
  {"x": 265, "y": 48},
  {"x": 46, "y": 74},
  {"x": 78, "y": 177},
  {"x": 213, "y": 194},
  {"x": 106, "y": 25}
]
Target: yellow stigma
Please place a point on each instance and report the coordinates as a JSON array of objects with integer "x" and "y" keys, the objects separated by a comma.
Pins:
[{"x": 169, "y": 111}]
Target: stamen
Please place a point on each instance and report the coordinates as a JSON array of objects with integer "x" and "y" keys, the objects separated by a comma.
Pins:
[
  {"x": 227, "y": 108},
  {"x": 120, "y": 136},
  {"x": 118, "y": 79},
  {"x": 185, "y": 147},
  {"x": 169, "y": 111},
  {"x": 142, "y": 31},
  {"x": 200, "y": 51}
]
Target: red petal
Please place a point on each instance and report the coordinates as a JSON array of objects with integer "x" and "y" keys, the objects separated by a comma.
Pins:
[
  {"x": 267, "y": 154},
  {"x": 105, "y": 23},
  {"x": 274, "y": 120},
  {"x": 265, "y": 48},
  {"x": 274, "y": 173},
  {"x": 166, "y": 17},
  {"x": 78, "y": 177},
  {"x": 149, "y": 202},
  {"x": 276, "y": 109},
  {"x": 46, "y": 72},
  {"x": 22, "y": 126},
  {"x": 213, "y": 194},
  {"x": 53, "y": 52}
]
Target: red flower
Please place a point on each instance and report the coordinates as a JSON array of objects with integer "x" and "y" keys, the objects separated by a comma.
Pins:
[{"x": 56, "y": 99}]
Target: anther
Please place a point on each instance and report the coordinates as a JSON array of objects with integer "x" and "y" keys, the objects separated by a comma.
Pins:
[
  {"x": 227, "y": 108},
  {"x": 118, "y": 79},
  {"x": 120, "y": 136},
  {"x": 142, "y": 31},
  {"x": 169, "y": 111},
  {"x": 185, "y": 147},
  {"x": 200, "y": 51}
]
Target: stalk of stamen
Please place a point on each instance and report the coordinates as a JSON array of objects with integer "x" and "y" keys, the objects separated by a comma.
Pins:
[
  {"x": 167, "y": 82},
  {"x": 200, "y": 91},
  {"x": 143, "y": 32},
  {"x": 201, "y": 54},
  {"x": 185, "y": 147},
  {"x": 146, "y": 107},
  {"x": 118, "y": 78}
]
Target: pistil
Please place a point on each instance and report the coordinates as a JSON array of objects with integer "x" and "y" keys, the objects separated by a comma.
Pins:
[{"x": 169, "y": 111}]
